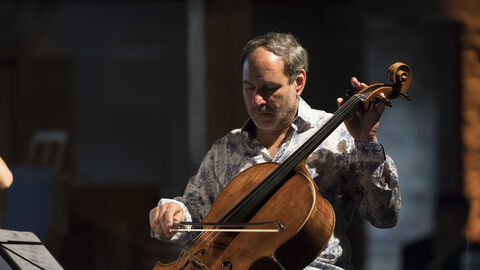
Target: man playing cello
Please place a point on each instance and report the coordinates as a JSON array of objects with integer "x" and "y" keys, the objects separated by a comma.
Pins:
[{"x": 350, "y": 167}]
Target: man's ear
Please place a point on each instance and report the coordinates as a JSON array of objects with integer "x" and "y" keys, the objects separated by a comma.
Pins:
[{"x": 300, "y": 81}]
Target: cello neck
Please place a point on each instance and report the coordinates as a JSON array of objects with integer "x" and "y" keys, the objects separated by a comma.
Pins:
[
  {"x": 313, "y": 142},
  {"x": 264, "y": 190}
]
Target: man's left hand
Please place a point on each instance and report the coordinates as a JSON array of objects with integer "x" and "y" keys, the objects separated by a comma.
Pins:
[{"x": 363, "y": 126}]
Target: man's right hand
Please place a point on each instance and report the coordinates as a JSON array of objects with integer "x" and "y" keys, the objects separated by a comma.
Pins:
[{"x": 163, "y": 217}]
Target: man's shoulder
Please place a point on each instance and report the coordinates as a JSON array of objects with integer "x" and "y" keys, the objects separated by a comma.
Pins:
[
  {"x": 321, "y": 114},
  {"x": 316, "y": 117},
  {"x": 311, "y": 115},
  {"x": 234, "y": 136},
  {"x": 235, "y": 141}
]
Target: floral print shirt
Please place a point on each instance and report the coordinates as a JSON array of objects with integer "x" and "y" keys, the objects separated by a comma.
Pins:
[{"x": 350, "y": 175}]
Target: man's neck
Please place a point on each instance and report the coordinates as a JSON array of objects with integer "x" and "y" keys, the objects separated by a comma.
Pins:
[{"x": 272, "y": 140}]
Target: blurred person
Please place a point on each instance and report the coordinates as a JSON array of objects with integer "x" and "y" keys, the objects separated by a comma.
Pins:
[
  {"x": 442, "y": 249},
  {"x": 6, "y": 177}
]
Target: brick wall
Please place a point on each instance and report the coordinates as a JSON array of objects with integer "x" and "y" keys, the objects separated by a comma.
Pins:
[{"x": 467, "y": 11}]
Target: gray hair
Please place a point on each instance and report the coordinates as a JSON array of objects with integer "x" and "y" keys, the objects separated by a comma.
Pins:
[{"x": 283, "y": 45}]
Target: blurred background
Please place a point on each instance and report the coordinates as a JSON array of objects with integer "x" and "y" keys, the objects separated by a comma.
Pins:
[{"x": 107, "y": 106}]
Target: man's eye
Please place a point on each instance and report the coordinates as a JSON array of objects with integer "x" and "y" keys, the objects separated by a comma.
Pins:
[{"x": 271, "y": 89}]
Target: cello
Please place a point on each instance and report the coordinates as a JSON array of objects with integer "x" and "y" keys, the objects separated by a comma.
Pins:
[{"x": 284, "y": 195}]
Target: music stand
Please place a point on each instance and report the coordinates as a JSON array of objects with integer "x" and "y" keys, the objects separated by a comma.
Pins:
[{"x": 23, "y": 250}]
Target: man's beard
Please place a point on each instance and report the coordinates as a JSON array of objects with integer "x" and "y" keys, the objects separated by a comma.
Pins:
[{"x": 282, "y": 115}]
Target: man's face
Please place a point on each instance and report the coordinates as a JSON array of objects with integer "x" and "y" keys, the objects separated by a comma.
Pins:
[{"x": 271, "y": 102}]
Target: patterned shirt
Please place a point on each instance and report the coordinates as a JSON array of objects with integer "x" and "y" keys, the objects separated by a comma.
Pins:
[{"x": 350, "y": 175}]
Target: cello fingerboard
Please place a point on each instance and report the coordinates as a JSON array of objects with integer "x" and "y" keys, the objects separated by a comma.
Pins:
[{"x": 255, "y": 199}]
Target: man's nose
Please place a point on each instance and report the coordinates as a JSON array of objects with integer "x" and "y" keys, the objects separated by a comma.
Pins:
[{"x": 258, "y": 99}]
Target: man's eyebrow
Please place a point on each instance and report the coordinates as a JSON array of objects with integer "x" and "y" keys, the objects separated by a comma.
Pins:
[
  {"x": 269, "y": 84},
  {"x": 272, "y": 84}
]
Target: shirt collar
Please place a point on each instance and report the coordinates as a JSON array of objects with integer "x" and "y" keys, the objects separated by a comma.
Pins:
[{"x": 303, "y": 120}]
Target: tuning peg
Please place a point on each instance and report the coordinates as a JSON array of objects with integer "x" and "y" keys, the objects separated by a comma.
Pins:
[
  {"x": 406, "y": 96},
  {"x": 350, "y": 92},
  {"x": 385, "y": 101}
]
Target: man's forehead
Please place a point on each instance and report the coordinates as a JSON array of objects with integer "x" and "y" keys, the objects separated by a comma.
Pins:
[
  {"x": 261, "y": 56},
  {"x": 261, "y": 62},
  {"x": 270, "y": 76}
]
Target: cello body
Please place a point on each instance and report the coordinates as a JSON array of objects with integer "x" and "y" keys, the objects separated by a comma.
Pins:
[{"x": 308, "y": 220}]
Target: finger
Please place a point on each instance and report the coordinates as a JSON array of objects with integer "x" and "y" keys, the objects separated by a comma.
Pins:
[
  {"x": 357, "y": 84},
  {"x": 359, "y": 113},
  {"x": 178, "y": 216},
  {"x": 380, "y": 106},
  {"x": 339, "y": 102},
  {"x": 162, "y": 221},
  {"x": 152, "y": 217},
  {"x": 159, "y": 221},
  {"x": 379, "y": 109},
  {"x": 169, "y": 216},
  {"x": 172, "y": 211},
  {"x": 154, "y": 223}
]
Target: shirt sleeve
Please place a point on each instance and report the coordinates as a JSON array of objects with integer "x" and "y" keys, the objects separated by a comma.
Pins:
[
  {"x": 376, "y": 178},
  {"x": 203, "y": 188}
]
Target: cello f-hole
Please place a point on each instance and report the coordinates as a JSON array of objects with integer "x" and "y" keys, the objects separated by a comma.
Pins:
[{"x": 228, "y": 264}]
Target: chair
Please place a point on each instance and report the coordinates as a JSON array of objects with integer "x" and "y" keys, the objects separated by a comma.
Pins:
[{"x": 47, "y": 149}]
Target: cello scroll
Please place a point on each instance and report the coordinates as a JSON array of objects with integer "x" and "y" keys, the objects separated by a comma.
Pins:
[{"x": 400, "y": 75}]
